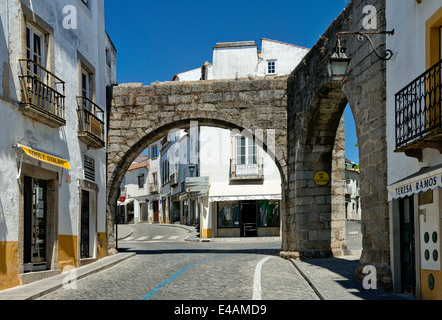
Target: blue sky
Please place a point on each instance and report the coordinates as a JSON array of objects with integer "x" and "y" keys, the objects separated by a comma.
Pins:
[{"x": 157, "y": 39}]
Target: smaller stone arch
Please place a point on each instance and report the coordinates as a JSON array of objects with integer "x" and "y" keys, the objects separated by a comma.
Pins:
[{"x": 141, "y": 115}]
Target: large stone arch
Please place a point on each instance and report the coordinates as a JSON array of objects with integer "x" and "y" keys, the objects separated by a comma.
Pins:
[
  {"x": 315, "y": 107},
  {"x": 140, "y": 115}
]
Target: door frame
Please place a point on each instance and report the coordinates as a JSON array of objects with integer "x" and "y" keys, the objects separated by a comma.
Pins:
[
  {"x": 51, "y": 177},
  {"x": 93, "y": 190}
]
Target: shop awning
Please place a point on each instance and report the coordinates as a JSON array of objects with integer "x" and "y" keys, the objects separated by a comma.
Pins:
[
  {"x": 423, "y": 181},
  {"x": 244, "y": 198},
  {"x": 127, "y": 201},
  {"x": 41, "y": 156}
]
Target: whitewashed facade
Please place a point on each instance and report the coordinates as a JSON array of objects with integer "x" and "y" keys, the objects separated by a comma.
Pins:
[
  {"x": 233, "y": 60},
  {"x": 414, "y": 159},
  {"x": 54, "y": 74},
  {"x": 245, "y": 183}
]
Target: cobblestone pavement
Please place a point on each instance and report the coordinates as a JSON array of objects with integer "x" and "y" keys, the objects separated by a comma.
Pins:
[
  {"x": 193, "y": 271},
  {"x": 171, "y": 268}
]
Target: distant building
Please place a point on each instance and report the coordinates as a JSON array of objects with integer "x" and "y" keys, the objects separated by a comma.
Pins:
[
  {"x": 234, "y": 187},
  {"x": 242, "y": 59},
  {"x": 135, "y": 192},
  {"x": 352, "y": 191}
]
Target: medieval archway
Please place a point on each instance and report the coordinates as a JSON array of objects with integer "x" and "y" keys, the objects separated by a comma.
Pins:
[{"x": 315, "y": 107}]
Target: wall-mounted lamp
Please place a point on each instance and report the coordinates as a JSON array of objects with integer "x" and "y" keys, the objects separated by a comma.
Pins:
[
  {"x": 338, "y": 64},
  {"x": 192, "y": 169},
  {"x": 339, "y": 61}
]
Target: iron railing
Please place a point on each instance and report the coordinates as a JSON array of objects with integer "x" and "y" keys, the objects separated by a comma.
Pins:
[
  {"x": 418, "y": 107},
  {"x": 90, "y": 117},
  {"x": 41, "y": 89},
  {"x": 246, "y": 171}
]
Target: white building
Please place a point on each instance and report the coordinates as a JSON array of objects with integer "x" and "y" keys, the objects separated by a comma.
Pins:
[
  {"x": 244, "y": 182},
  {"x": 135, "y": 191},
  {"x": 56, "y": 61},
  {"x": 415, "y": 145},
  {"x": 233, "y": 60},
  {"x": 352, "y": 192}
]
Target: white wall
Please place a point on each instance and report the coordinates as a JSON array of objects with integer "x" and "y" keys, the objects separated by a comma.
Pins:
[
  {"x": 407, "y": 18},
  {"x": 215, "y": 156},
  {"x": 89, "y": 40}
]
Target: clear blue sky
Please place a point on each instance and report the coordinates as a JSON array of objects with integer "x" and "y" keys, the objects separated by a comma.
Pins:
[{"x": 157, "y": 39}]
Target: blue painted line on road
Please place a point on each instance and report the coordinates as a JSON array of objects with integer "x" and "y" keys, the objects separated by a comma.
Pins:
[{"x": 154, "y": 291}]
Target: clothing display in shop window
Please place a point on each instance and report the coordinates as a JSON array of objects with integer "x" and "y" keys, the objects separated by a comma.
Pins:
[
  {"x": 228, "y": 214},
  {"x": 236, "y": 214}
]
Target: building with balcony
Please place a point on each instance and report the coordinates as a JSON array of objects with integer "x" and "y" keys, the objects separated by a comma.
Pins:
[
  {"x": 235, "y": 187},
  {"x": 56, "y": 62},
  {"x": 414, "y": 146}
]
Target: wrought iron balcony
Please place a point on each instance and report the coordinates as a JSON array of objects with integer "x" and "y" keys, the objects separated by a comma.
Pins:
[
  {"x": 154, "y": 188},
  {"x": 90, "y": 123},
  {"x": 174, "y": 179},
  {"x": 246, "y": 171},
  {"x": 41, "y": 98},
  {"x": 418, "y": 114}
]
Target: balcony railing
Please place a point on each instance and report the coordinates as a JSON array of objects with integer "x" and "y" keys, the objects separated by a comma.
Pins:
[
  {"x": 418, "y": 113},
  {"x": 42, "y": 94},
  {"x": 154, "y": 188},
  {"x": 246, "y": 171},
  {"x": 90, "y": 123}
]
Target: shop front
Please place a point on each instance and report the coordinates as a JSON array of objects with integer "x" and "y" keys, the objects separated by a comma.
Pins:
[
  {"x": 246, "y": 217},
  {"x": 416, "y": 215},
  {"x": 38, "y": 219}
]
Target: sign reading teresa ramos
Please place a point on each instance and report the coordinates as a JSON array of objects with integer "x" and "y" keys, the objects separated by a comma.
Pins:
[
  {"x": 46, "y": 157},
  {"x": 415, "y": 185},
  {"x": 321, "y": 178}
]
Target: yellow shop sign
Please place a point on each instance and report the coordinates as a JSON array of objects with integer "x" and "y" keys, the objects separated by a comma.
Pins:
[{"x": 46, "y": 157}]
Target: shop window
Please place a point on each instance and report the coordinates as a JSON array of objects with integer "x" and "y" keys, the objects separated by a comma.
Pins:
[
  {"x": 269, "y": 213},
  {"x": 228, "y": 215}
]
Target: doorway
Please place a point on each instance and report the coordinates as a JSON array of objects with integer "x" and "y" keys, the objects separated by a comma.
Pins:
[
  {"x": 407, "y": 243},
  {"x": 156, "y": 216},
  {"x": 248, "y": 219},
  {"x": 35, "y": 224},
  {"x": 85, "y": 224}
]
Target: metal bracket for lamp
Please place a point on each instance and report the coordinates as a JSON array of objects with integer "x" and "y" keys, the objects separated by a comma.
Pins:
[{"x": 362, "y": 35}]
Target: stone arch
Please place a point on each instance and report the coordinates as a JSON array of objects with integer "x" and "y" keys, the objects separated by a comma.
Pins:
[
  {"x": 140, "y": 115},
  {"x": 315, "y": 107}
]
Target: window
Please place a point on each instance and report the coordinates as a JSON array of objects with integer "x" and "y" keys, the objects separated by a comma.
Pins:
[
  {"x": 271, "y": 67},
  {"x": 35, "y": 45},
  {"x": 154, "y": 152},
  {"x": 141, "y": 181},
  {"x": 85, "y": 84},
  {"x": 246, "y": 151},
  {"x": 155, "y": 178},
  {"x": 269, "y": 213},
  {"x": 89, "y": 168}
]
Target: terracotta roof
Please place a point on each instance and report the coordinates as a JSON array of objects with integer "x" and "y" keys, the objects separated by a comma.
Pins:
[{"x": 140, "y": 162}]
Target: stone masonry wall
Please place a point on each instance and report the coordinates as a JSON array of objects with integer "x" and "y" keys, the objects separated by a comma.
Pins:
[
  {"x": 315, "y": 106},
  {"x": 141, "y": 115}
]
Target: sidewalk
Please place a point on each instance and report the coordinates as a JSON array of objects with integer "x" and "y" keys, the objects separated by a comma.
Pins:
[
  {"x": 40, "y": 288},
  {"x": 333, "y": 279}
]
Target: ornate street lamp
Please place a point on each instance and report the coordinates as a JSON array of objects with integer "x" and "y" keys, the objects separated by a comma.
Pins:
[{"x": 339, "y": 61}]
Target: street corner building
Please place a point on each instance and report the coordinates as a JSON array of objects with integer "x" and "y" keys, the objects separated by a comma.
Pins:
[
  {"x": 414, "y": 146},
  {"x": 56, "y": 62}
]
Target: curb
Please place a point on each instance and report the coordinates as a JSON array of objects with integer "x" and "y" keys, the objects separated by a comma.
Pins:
[
  {"x": 38, "y": 289},
  {"x": 321, "y": 294}
]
